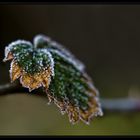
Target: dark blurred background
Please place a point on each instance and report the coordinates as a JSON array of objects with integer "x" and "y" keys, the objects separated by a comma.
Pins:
[{"x": 105, "y": 37}]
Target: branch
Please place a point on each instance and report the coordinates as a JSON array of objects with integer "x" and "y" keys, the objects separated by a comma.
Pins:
[
  {"x": 14, "y": 88},
  {"x": 120, "y": 105},
  {"x": 10, "y": 87}
]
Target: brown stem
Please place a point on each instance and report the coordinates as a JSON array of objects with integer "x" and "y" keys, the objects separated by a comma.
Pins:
[
  {"x": 13, "y": 88},
  {"x": 9, "y": 88},
  {"x": 121, "y": 104}
]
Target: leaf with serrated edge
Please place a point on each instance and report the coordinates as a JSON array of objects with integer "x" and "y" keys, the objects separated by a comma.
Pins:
[{"x": 48, "y": 64}]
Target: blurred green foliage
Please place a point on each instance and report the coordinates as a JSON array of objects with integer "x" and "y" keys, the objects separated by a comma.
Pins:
[{"x": 25, "y": 114}]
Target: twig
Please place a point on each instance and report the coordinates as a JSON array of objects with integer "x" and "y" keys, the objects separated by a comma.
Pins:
[
  {"x": 121, "y": 104},
  {"x": 14, "y": 88},
  {"x": 9, "y": 88}
]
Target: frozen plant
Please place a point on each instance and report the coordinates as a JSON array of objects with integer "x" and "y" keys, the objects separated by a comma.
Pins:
[{"x": 47, "y": 64}]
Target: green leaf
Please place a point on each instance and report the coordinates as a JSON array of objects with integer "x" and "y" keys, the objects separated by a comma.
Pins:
[{"x": 48, "y": 64}]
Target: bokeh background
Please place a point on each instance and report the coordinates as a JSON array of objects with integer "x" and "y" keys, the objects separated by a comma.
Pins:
[{"x": 105, "y": 37}]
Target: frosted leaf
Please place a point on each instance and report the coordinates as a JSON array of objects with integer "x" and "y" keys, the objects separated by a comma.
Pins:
[
  {"x": 48, "y": 64},
  {"x": 15, "y": 71},
  {"x": 45, "y": 41},
  {"x": 69, "y": 59},
  {"x": 11, "y": 47},
  {"x": 37, "y": 80},
  {"x": 73, "y": 91},
  {"x": 34, "y": 67}
]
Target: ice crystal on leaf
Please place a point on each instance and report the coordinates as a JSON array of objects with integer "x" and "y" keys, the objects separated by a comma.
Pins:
[{"x": 46, "y": 63}]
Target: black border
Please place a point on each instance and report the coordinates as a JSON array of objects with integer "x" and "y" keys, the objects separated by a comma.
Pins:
[{"x": 69, "y": 2}]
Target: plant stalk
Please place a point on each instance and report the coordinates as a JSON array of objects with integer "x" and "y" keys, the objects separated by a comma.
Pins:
[{"x": 127, "y": 104}]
